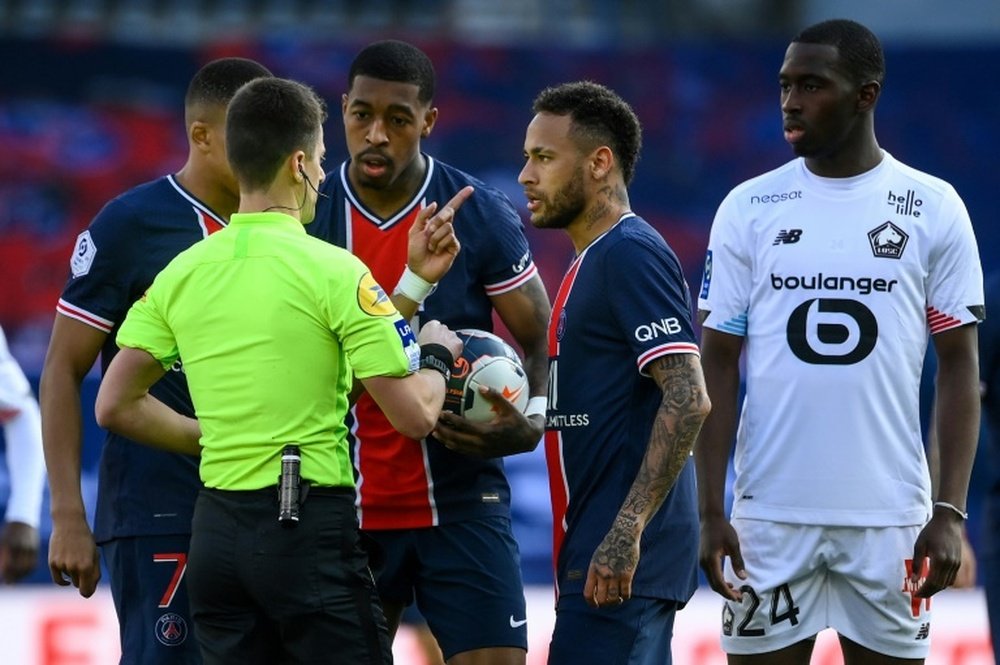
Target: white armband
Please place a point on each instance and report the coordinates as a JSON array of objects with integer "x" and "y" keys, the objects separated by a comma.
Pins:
[{"x": 413, "y": 286}]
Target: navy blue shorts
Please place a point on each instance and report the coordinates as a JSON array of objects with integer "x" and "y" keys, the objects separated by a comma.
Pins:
[
  {"x": 466, "y": 578},
  {"x": 636, "y": 633},
  {"x": 151, "y": 599}
]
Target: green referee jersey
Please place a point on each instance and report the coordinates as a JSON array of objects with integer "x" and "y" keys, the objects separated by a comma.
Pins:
[{"x": 270, "y": 322}]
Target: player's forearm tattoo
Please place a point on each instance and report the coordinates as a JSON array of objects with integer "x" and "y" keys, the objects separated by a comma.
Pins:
[{"x": 678, "y": 421}]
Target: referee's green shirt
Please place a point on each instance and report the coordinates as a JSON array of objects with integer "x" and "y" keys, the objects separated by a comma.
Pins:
[{"x": 263, "y": 315}]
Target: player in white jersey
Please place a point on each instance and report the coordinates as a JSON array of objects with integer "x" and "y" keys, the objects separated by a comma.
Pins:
[
  {"x": 22, "y": 425},
  {"x": 833, "y": 271}
]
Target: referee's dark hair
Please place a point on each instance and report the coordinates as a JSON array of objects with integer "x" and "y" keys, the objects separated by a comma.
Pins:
[
  {"x": 217, "y": 82},
  {"x": 600, "y": 117},
  {"x": 393, "y": 60},
  {"x": 269, "y": 119}
]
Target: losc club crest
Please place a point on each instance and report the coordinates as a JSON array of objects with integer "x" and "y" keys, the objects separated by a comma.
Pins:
[
  {"x": 887, "y": 241},
  {"x": 171, "y": 629}
]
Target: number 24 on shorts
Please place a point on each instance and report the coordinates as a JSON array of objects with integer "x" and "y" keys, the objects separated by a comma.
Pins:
[{"x": 781, "y": 597}]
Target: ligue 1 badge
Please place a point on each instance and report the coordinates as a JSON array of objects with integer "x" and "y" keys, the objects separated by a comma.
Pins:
[{"x": 83, "y": 254}]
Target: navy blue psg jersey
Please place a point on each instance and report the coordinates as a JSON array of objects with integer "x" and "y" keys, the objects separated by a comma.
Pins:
[
  {"x": 404, "y": 483},
  {"x": 622, "y": 304},
  {"x": 141, "y": 491}
]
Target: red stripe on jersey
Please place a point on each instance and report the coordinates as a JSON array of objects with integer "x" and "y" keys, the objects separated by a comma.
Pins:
[
  {"x": 396, "y": 490},
  {"x": 393, "y": 489},
  {"x": 382, "y": 250},
  {"x": 940, "y": 322},
  {"x": 559, "y": 494},
  {"x": 558, "y": 483},
  {"x": 209, "y": 224},
  {"x": 557, "y": 307},
  {"x": 92, "y": 320}
]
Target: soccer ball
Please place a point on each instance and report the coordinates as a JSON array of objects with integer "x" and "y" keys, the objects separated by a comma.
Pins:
[{"x": 486, "y": 360}]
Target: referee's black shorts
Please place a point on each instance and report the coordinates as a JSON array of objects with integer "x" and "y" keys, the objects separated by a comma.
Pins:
[{"x": 263, "y": 593}]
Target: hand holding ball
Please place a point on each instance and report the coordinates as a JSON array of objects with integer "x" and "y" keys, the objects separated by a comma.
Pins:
[{"x": 488, "y": 361}]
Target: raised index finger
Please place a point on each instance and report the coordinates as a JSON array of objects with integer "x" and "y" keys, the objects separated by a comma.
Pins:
[{"x": 456, "y": 201}]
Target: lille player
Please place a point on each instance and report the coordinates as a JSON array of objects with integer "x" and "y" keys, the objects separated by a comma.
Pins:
[
  {"x": 834, "y": 290},
  {"x": 25, "y": 468},
  {"x": 145, "y": 497},
  {"x": 417, "y": 498}
]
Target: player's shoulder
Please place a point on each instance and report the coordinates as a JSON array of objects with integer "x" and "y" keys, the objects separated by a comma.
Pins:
[
  {"x": 773, "y": 183},
  {"x": 136, "y": 204},
  {"x": 634, "y": 239},
  {"x": 914, "y": 177}
]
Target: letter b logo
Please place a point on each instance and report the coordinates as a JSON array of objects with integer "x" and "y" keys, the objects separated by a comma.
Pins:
[{"x": 832, "y": 331}]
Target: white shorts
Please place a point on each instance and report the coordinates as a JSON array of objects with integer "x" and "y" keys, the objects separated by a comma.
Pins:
[{"x": 802, "y": 579}]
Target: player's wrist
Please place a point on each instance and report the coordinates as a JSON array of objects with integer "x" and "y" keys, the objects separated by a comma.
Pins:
[
  {"x": 951, "y": 509},
  {"x": 413, "y": 286}
]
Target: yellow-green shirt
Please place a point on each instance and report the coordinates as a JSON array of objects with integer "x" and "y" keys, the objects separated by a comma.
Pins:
[{"x": 266, "y": 320}]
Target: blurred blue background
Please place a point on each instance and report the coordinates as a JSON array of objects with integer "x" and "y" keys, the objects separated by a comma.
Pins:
[{"x": 91, "y": 101}]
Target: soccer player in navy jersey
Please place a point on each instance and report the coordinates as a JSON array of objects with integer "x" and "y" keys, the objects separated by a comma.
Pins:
[
  {"x": 145, "y": 497},
  {"x": 439, "y": 508},
  {"x": 626, "y": 394}
]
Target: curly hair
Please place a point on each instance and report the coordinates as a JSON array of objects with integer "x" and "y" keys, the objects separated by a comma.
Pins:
[
  {"x": 393, "y": 60},
  {"x": 599, "y": 117}
]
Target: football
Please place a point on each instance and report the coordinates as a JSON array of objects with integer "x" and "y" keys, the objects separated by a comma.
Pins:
[{"x": 486, "y": 360}]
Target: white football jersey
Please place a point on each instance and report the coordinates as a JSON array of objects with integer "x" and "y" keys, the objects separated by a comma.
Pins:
[{"x": 836, "y": 284}]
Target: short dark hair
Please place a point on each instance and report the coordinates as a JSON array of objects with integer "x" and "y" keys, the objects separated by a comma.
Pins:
[
  {"x": 393, "y": 60},
  {"x": 860, "y": 50},
  {"x": 269, "y": 119},
  {"x": 600, "y": 117},
  {"x": 218, "y": 81}
]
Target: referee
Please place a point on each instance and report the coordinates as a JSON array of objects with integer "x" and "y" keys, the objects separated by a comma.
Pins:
[{"x": 270, "y": 324}]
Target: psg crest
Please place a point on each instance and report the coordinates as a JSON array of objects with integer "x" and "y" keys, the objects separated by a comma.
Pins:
[{"x": 171, "y": 629}]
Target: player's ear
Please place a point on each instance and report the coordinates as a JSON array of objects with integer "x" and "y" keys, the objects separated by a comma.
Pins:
[
  {"x": 200, "y": 135},
  {"x": 430, "y": 117},
  {"x": 602, "y": 160},
  {"x": 868, "y": 95}
]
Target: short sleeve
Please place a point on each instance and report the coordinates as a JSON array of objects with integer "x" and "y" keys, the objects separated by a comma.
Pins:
[
  {"x": 508, "y": 260},
  {"x": 375, "y": 338},
  {"x": 649, "y": 297},
  {"x": 146, "y": 328},
  {"x": 728, "y": 273},
  {"x": 955, "y": 276}
]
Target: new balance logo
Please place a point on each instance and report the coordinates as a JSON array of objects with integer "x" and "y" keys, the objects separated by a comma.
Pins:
[
  {"x": 905, "y": 204},
  {"x": 787, "y": 237},
  {"x": 924, "y": 632}
]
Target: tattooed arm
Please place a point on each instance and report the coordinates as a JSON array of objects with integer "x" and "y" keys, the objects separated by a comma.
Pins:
[{"x": 683, "y": 409}]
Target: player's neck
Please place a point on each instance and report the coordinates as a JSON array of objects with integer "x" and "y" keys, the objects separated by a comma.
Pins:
[
  {"x": 602, "y": 211},
  {"x": 849, "y": 161},
  {"x": 207, "y": 188}
]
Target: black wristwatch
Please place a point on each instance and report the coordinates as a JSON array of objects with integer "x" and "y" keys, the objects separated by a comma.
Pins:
[{"x": 437, "y": 357}]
